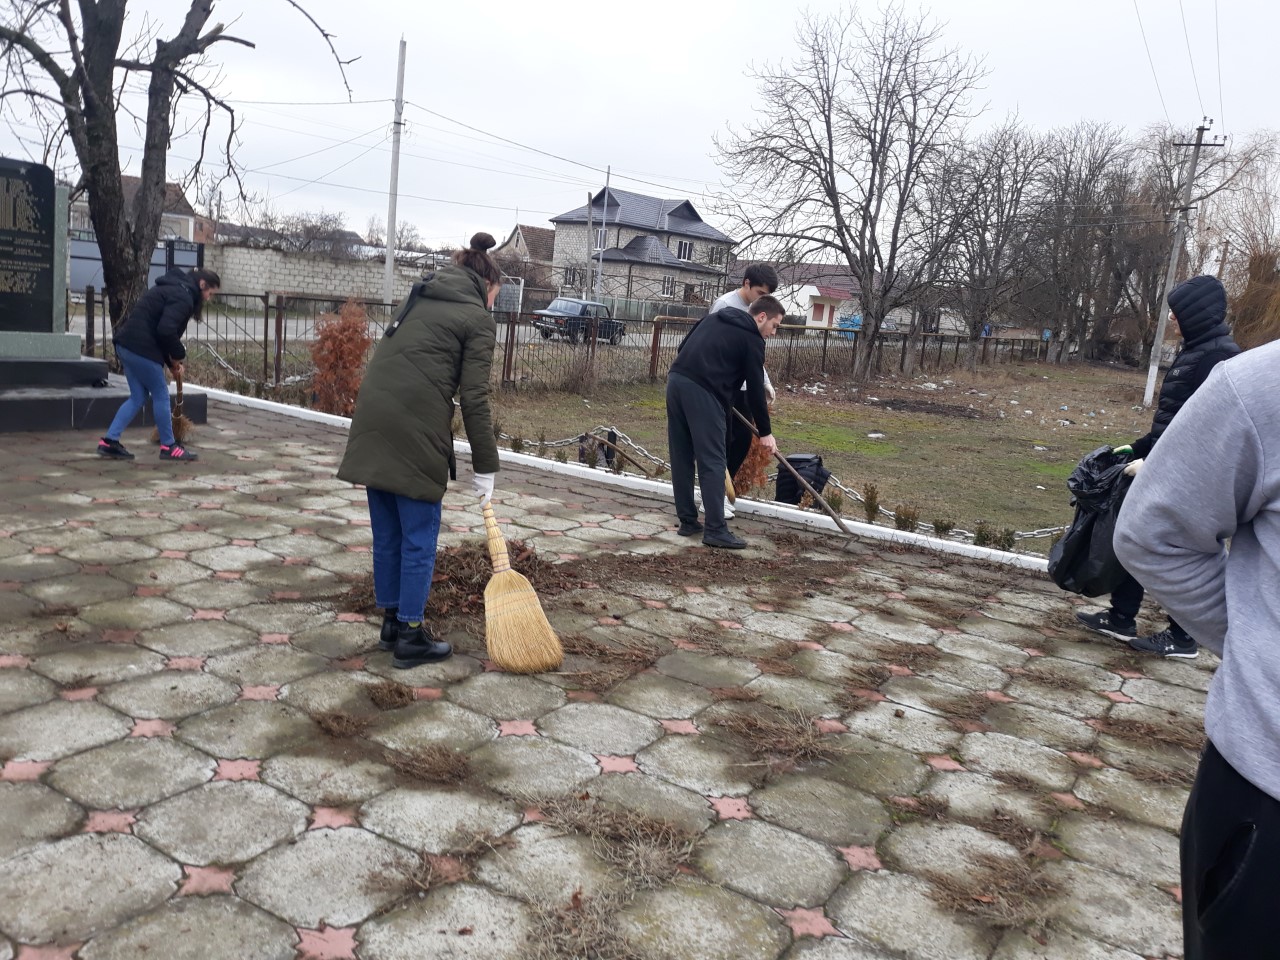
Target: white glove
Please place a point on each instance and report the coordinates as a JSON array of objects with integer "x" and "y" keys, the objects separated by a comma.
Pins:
[
  {"x": 1132, "y": 469},
  {"x": 768, "y": 388},
  {"x": 482, "y": 486}
]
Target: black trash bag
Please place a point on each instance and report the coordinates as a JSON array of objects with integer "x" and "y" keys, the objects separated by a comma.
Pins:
[
  {"x": 809, "y": 466},
  {"x": 1084, "y": 561}
]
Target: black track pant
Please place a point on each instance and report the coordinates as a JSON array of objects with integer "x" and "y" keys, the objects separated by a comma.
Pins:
[
  {"x": 1230, "y": 867},
  {"x": 696, "y": 434},
  {"x": 739, "y": 433},
  {"x": 1126, "y": 601}
]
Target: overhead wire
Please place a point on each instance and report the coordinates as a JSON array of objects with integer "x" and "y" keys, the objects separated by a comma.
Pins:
[
  {"x": 1187, "y": 36},
  {"x": 1151, "y": 61},
  {"x": 1217, "y": 46}
]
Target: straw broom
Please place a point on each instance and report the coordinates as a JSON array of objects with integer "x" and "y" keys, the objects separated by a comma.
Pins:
[
  {"x": 182, "y": 424},
  {"x": 729, "y": 492},
  {"x": 516, "y": 632}
]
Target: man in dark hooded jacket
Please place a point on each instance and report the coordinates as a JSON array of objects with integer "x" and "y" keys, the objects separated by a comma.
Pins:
[{"x": 1198, "y": 310}]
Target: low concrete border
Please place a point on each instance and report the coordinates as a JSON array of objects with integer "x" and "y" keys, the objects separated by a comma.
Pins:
[{"x": 759, "y": 508}]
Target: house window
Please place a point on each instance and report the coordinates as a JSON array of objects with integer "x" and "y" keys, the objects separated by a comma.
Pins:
[
  {"x": 684, "y": 250},
  {"x": 716, "y": 255},
  {"x": 668, "y": 285},
  {"x": 602, "y": 237}
]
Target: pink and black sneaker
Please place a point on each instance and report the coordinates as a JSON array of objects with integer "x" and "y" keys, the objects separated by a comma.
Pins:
[
  {"x": 177, "y": 452},
  {"x": 113, "y": 449}
]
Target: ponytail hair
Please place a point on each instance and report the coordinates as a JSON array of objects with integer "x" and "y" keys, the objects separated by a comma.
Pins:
[
  {"x": 477, "y": 259},
  {"x": 211, "y": 280}
]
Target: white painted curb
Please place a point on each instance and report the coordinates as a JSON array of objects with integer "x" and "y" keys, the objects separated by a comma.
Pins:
[{"x": 657, "y": 488}]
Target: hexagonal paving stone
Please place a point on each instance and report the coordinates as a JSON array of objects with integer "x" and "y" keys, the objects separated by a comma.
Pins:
[
  {"x": 1117, "y": 910},
  {"x": 338, "y": 639},
  {"x": 600, "y": 728},
  {"x": 198, "y": 928},
  {"x": 58, "y": 729},
  {"x": 98, "y": 663},
  {"x": 16, "y": 606},
  {"x": 430, "y": 722},
  {"x": 1061, "y": 945},
  {"x": 232, "y": 558},
  {"x": 975, "y": 797},
  {"x": 169, "y": 694},
  {"x": 136, "y": 526},
  {"x": 699, "y": 763},
  {"x": 896, "y": 912},
  {"x": 1160, "y": 805},
  {"x": 874, "y": 767},
  {"x": 247, "y": 729},
  {"x": 294, "y": 545},
  {"x": 545, "y": 865},
  {"x": 222, "y": 822},
  {"x": 280, "y": 617},
  {"x": 438, "y": 819},
  {"x": 884, "y": 623},
  {"x": 1133, "y": 849},
  {"x": 688, "y": 920},
  {"x": 134, "y": 613},
  {"x": 131, "y": 773},
  {"x": 460, "y": 921},
  {"x": 338, "y": 877},
  {"x": 999, "y": 630},
  {"x": 343, "y": 690},
  {"x": 831, "y": 948},
  {"x": 767, "y": 863},
  {"x": 655, "y": 799},
  {"x": 784, "y": 626},
  {"x": 532, "y": 767},
  {"x": 904, "y": 727},
  {"x": 950, "y": 849},
  {"x": 262, "y": 664},
  {"x": 326, "y": 780},
  {"x": 199, "y": 638},
  {"x": 22, "y": 688},
  {"x": 663, "y": 697},
  {"x": 797, "y": 693},
  {"x": 823, "y": 810},
  {"x": 212, "y": 594},
  {"x": 160, "y": 572},
  {"x": 31, "y": 813},
  {"x": 706, "y": 670},
  {"x": 504, "y": 696},
  {"x": 79, "y": 590},
  {"x": 1042, "y": 726},
  {"x": 29, "y": 567},
  {"x": 995, "y": 752},
  {"x": 74, "y": 888}
]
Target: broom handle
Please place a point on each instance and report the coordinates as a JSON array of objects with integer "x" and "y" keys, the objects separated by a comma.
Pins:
[
  {"x": 497, "y": 543},
  {"x": 177, "y": 378},
  {"x": 817, "y": 497}
]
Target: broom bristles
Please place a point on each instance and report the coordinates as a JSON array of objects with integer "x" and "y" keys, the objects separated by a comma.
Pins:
[
  {"x": 518, "y": 635},
  {"x": 730, "y": 493}
]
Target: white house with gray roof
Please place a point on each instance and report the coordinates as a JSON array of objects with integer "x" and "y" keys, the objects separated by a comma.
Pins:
[{"x": 651, "y": 249}]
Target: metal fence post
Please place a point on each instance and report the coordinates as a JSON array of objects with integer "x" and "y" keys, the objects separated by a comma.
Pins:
[
  {"x": 654, "y": 347},
  {"x": 88, "y": 323},
  {"x": 825, "y": 338},
  {"x": 985, "y": 342},
  {"x": 279, "y": 336},
  {"x": 266, "y": 336},
  {"x": 508, "y": 360}
]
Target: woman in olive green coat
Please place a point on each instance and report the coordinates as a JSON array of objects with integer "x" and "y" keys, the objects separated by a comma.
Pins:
[{"x": 401, "y": 442}]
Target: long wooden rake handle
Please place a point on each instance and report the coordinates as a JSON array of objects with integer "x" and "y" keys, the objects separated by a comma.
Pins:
[
  {"x": 817, "y": 497},
  {"x": 497, "y": 543}
]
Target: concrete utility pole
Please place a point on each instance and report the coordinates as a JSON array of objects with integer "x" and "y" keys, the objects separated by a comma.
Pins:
[
  {"x": 389, "y": 270},
  {"x": 591, "y": 246},
  {"x": 604, "y": 226},
  {"x": 1179, "y": 237}
]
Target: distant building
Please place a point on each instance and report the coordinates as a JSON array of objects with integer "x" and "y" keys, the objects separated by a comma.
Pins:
[
  {"x": 177, "y": 222},
  {"x": 530, "y": 253}
]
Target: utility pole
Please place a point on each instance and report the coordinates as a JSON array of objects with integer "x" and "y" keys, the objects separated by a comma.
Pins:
[
  {"x": 604, "y": 226},
  {"x": 591, "y": 245},
  {"x": 389, "y": 271},
  {"x": 1222, "y": 261},
  {"x": 1179, "y": 238}
]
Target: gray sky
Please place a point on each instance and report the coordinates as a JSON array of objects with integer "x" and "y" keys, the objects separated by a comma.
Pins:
[{"x": 646, "y": 87}]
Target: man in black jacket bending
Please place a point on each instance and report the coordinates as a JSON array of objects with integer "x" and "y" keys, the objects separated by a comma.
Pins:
[
  {"x": 1198, "y": 310},
  {"x": 724, "y": 349}
]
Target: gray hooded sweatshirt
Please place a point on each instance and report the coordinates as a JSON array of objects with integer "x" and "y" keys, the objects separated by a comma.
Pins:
[{"x": 1214, "y": 476}]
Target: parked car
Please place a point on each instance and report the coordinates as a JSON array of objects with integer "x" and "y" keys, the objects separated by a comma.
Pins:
[{"x": 572, "y": 319}]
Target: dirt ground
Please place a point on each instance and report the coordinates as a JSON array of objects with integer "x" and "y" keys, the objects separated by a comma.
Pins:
[{"x": 995, "y": 446}]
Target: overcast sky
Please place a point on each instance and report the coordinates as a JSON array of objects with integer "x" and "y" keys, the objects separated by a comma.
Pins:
[{"x": 645, "y": 87}]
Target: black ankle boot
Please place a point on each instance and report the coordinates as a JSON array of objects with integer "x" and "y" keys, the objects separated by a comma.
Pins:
[
  {"x": 390, "y": 627},
  {"x": 416, "y": 646}
]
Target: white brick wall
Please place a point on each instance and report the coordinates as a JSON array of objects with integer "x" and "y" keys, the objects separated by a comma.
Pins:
[{"x": 252, "y": 270}]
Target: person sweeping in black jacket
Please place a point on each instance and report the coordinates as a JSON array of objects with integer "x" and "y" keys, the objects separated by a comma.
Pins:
[
  {"x": 723, "y": 350},
  {"x": 1198, "y": 311},
  {"x": 150, "y": 339}
]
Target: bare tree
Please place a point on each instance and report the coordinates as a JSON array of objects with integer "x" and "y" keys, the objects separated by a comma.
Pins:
[
  {"x": 850, "y": 137},
  {"x": 375, "y": 231},
  {"x": 71, "y": 62}
]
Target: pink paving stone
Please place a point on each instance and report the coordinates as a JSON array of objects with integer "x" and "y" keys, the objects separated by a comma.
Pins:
[
  {"x": 1068, "y": 800},
  {"x": 679, "y": 726},
  {"x": 969, "y": 726},
  {"x": 5, "y": 533},
  {"x": 684, "y": 644},
  {"x": 553, "y": 533},
  {"x": 622, "y": 516},
  {"x": 828, "y": 725},
  {"x": 944, "y": 763},
  {"x": 995, "y": 696},
  {"x": 148, "y": 591},
  {"x": 95, "y": 568},
  {"x": 427, "y": 693},
  {"x": 238, "y": 770},
  {"x": 359, "y": 549},
  {"x": 808, "y": 922},
  {"x": 688, "y": 589},
  {"x": 285, "y": 595},
  {"x": 110, "y": 821},
  {"x": 582, "y": 696},
  {"x": 517, "y": 728},
  {"x": 327, "y": 943},
  {"x": 614, "y": 764},
  {"x": 1116, "y": 696},
  {"x": 875, "y": 696},
  {"x": 166, "y": 494},
  {"x": 278, "y": 638},
  {"x": 351, "y": 618},
  {"x": 1085, "y": 759},
  {"x": 184, "y": 663},
  {"x": 228, "y": 575},
  {"x": 45, "y": 551},
  {"x": 351, "y": 663},
  {"x": 608, "y": 621},
  {"x": 895, "y": 596},
  {"x": 841, "y": 627},
  {"x": 1033, "y": 651},
  {"x": 809, "y": 645},
  {"x": 1175, "y": 892},
  {"x": 209, "y": 505},
  {"x": 332, "y": 817},
  {"x": 533, "y": 815},
  {"x": 104, "y": 500},
  {"x": 241, "y": 542},
  {"x": 1131, "y": 674},
  {"x": 152, "y": 728},
  {"x": 731, "y": 808},
  {"x": 641, "y": 536},
  {"x": 79, "y": 693},
  {"x": 66, "y": 951},
  {"x": 360, "y": 523},
  {"x": 906, "y": 803},
  {"x": 304, "y": 531},
  {"x": 655, "y": 604},
  {"x": 173, "y": 554},
  {"x": 899, "y": 671},
  {"x": 459, "y": 528},
  {"x": 729, "y": 624},
  {"x": 266, "y": 691},
  {"x": 764, "y": 607},
  {"x": 24, "y": 771},
  {"x": 209, "y": 615},
  {"x": 10, "y": 585},
  {"x": 296, "y": 561},
  {"x": 193, "y": 527},
  {"x": 14, "y": 661}
]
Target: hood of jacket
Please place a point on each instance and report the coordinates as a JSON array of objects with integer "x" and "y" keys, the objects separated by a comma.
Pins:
[
  {"x": 1200, "y": 306},
  {"x": 456, "y": 284},
  {"x": 738, "y": 318}
]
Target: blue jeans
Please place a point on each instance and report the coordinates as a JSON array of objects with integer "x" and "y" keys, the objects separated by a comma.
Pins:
[
  {"x": 404, "y": 551},
  {"x": 145, "y": 377}
]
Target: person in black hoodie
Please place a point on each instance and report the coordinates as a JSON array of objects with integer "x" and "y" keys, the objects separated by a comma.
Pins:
[
  {"x": 150, "y": 339},
  {"x": 1198, "y": 311},
  {"x": 723, "y": 350}
]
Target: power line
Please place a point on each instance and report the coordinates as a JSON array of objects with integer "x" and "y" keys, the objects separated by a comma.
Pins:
[
  {"x": 1187, "y": 37},
  {"x": 1152, "y": 62},
  {"x": 1217, "y": 46},
  {"x": 307, "y": 103},
  {"x": 332, "y": 146},
  {"x": 320, "y": 178}
]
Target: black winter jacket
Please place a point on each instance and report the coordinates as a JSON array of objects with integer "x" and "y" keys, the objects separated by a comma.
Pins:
[
  {"x": 721, "y": 351},
  {"x": 154, "y": 327},
  {"x": 1200, "y": 306}
]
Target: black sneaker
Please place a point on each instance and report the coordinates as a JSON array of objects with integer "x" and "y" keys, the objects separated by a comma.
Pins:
[
  {"x": 724, "y": 541},
  {"x": 390, "y": 629},
  {"x": 1165, "y": 644},
  {"x": 416, "y": 646},
  {"x": 177, "y": 452},
  {"x": 113, "y": 449},
  {"x": 1108, "y": 626},
  {"x": 689, "y": 528}
]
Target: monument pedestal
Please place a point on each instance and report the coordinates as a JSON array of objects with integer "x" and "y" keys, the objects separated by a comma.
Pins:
[{"x": 84, "y": 407}]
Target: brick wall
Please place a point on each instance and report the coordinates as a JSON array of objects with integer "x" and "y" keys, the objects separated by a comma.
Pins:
[{"x": 253, "y": 270}]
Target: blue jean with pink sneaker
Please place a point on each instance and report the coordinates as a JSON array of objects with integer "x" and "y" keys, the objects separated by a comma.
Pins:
[{"x": 146, "y": 378}]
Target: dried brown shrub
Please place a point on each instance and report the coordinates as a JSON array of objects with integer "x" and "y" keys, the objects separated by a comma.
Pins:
[
  {"x": 739, "y": 694},
  {"x": 1140, "y": 731},
  {"x": 1001, "y": 891},
  {"x": 584, "y": 928},
  {"x": 434, "y": 763},
  {"x": 646, "y": 851},
  {"x": 772, "y": 733},
  {"x": 754, "y": 472},
  {"x": 389, "y": 695},
  {"x": 913, "y": 656},
  {"x": 338, "y": 724},
  {"x": 339, "y": 349}
]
